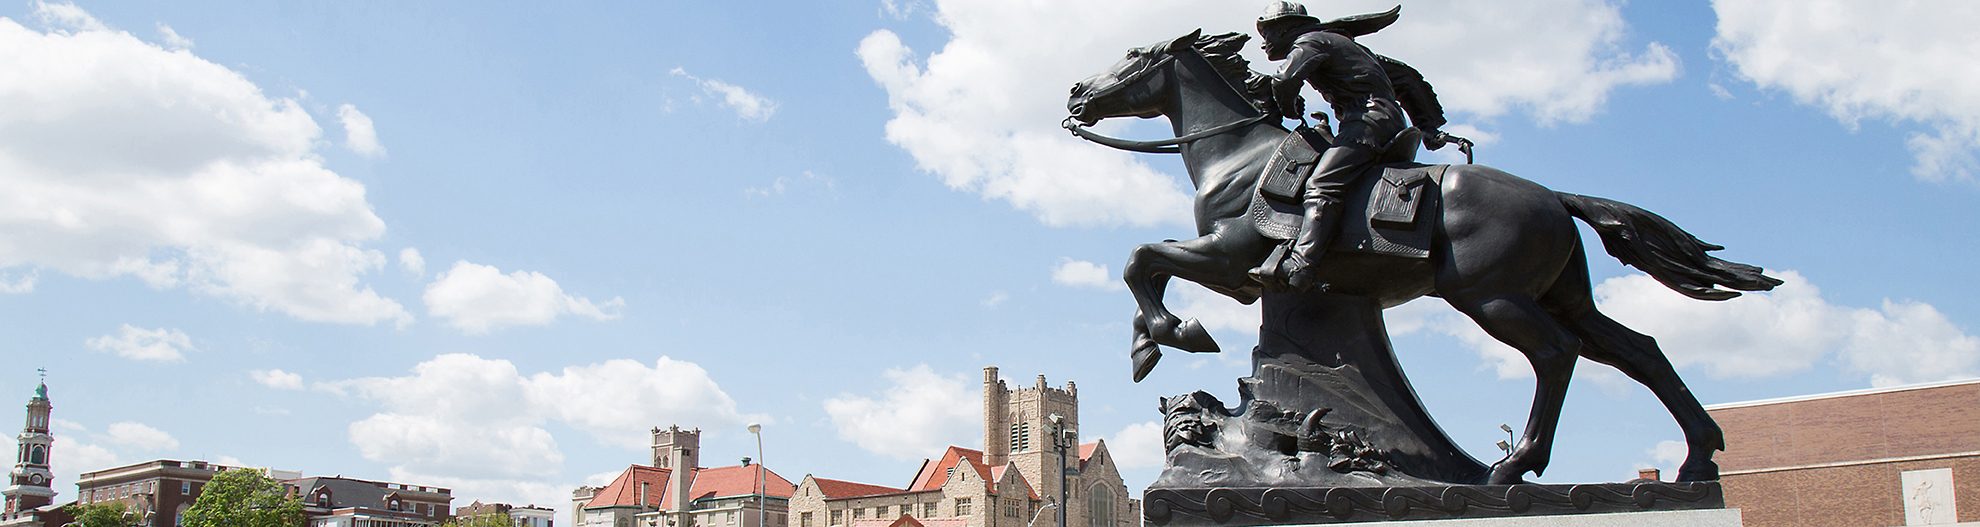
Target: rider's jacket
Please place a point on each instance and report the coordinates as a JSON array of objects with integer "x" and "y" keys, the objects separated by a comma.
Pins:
[{"x": 1341, "y": 70}]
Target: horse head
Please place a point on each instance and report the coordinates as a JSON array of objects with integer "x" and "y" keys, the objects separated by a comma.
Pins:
[{"x": 1137, "y": 86}]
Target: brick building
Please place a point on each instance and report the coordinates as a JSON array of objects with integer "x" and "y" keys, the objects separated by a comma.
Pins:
[
  {"x": 1882, "y": 457},
  {"x": 1006, "y": 484},
  {"x": 160, "y": 490},
  {"x": 676, "y": 491},
  {"x": 347, "y": 502}
]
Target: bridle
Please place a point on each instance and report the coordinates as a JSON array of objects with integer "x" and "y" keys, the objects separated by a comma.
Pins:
[{"x": 1162, "y": 146}]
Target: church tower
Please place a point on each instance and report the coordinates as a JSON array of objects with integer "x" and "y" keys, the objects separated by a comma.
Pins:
[
  {"x": 1017, "y": 428},
  {"x": 677, "y": 448},
  {"x": 30, "y": 485}
]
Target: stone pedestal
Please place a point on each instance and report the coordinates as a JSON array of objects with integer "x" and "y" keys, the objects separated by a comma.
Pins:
[
  {"x": 1698, "y": 518},
  {"x": 1235, "y": 507},
  {"x": 1328, "y": 430}
]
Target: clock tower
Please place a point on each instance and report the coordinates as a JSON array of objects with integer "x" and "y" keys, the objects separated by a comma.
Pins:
[{"x": 30, "y": 485}]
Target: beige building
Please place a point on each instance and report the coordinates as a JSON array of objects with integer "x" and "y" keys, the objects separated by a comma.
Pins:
[
  {"x": 1008, "y": 483},
  {"x": 676, "y": 491},
  {"x": 1869, "y": 458}
]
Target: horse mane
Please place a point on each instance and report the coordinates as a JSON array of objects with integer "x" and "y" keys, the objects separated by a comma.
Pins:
[{"x": 1223, "y": 53}]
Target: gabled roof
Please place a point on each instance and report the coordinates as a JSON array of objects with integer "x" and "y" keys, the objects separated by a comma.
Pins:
[
  {"x": 933, "y": 475},
  {"x": 624, "y": 490},
  {"x": 838, "y": 489},
  {"x": 997, "y": 476},
  {"x": 722, "y": 482},
  {"x": 715, "y": 482},
  {"x": 1086, "y": 452}
]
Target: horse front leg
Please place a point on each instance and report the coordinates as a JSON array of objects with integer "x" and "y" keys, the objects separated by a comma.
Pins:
[{"x": 1214, "y": 260}]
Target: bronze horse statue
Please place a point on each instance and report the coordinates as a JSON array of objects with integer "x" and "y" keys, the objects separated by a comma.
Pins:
[{"x": 1504, "y": 251}]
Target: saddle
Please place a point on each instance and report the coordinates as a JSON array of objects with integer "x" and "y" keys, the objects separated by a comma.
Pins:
[{"x": 1396, "y": 197}]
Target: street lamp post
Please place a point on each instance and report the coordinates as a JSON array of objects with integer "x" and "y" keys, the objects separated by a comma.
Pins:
[
  {"x": 1062, "y": 439},
  {"x": 1041, "y": 511},
  {"x": 757, "y": 430}
]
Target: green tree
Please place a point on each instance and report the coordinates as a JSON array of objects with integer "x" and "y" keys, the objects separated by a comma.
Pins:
[
  {"x": 244, "y": 498},
  {"x": 99, "y": 514},
  {"x": 492, "y": 519}
]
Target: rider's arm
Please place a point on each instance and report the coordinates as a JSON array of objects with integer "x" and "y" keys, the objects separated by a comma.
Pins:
[
  {"x": 1415, "y": 95},
  {"x": 1306, "y": 56}
]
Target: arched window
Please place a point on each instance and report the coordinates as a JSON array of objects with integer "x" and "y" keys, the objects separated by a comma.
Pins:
[
  {"x": 1099, "y": 507},
  {"x": 38, "y": 455}
]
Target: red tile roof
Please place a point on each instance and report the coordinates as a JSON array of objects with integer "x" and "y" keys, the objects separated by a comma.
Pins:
[
  {"x": 837, "y": 489},
  {"x": 713, "y": 482},
  {"x": 997, "y": 474},
  {"x": 718, "y": 482},
  {"x": 1086, "y": 453},
  {"x": 933, "y": 475},
  {"x": 624, "y": 490}
]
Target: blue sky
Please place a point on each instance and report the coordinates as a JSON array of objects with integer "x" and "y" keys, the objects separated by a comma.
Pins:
[{"x": 487, "y": 245}]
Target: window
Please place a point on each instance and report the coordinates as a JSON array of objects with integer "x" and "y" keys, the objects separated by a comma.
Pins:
[
  {"x": 859, "y": 513},
  {"x": 1099, "y": 507},
  {"x": 804, "y": 519},
  {"x": 962, "y": 506},
  {"x": 1014, "y": 438},
  {"x": 1024, "y": 437},
  {"x": 927, "y": 510},
  {"x": 838, "y": 517},
  {"x": 880, "y": 512},
  {"x": 185, "y": 488},
  {"x": 38, "y": 455}
]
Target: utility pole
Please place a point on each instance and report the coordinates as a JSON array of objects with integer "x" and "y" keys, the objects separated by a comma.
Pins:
[{"x": 1062, "y": 439}]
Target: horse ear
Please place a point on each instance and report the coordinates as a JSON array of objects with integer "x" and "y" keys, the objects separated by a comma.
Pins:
[{"x": 1186, "y": 41}]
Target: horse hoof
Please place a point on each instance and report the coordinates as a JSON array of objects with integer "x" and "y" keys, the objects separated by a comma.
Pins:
[
  {"x": 1146, "y": 354},
  {"x": 1191, "y": 337}
]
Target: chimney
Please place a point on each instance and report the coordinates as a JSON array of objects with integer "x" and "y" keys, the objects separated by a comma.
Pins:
[
  {"x": 642, "y": 494},
  {"x": 678, "y": 482},
  {"x": 1651, "y": 474}
]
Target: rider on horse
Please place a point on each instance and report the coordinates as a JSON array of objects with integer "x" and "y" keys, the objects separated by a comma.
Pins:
[{"x": 1363, "y": 88}]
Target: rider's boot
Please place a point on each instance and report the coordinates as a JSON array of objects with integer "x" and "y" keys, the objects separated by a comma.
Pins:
[{"x": 1301, "y": 268}]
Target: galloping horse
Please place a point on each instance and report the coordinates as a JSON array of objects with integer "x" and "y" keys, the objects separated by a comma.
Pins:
[{"x": 1504, "y": 252}]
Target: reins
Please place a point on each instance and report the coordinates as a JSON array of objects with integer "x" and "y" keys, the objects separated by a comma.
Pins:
[{"x": 1162, "y": 146}]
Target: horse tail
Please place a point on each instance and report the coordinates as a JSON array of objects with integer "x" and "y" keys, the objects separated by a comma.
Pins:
[{"x": 1646, "y": 241}]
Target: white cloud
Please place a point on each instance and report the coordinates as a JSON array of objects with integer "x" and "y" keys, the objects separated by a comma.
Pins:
[
  {"x": 1791, "y": 329},
  {"x": 1900, "y": 61},
  {"x": 1666, "y": 455},
  {"x": 916, "y": 415},
  {"x": 141, "y": 437},
  {"x": 782, "y": 184},
  {"x": 747, "y": 105},
  {"x": 483, "y": 420},
  {"x": 1085, "y": 274},
  {"x": 214, "y": 186},
  {"x": 996, "y": 298},
  {"x": 980, "y": 112},
  {"x": 412, "y": 262},
  {"x": 17, "y": 285},
  {"x": 1216, "y": 312},
  {"x": 478, "y": 298},
  {"x": 1137, "y": 446},
  {"x": 359, "y": 134},
  {"x": 172, "y": 39},
  {"x": 134, "y": 343},
  {"x": 277, "y": 379},
  {"x": 74, "y": 456}
]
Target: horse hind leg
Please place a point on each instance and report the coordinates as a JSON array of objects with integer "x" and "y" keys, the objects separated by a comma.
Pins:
[
  {"x": 1520, "y": 322},
  {"x": 1638, "y": 356}
]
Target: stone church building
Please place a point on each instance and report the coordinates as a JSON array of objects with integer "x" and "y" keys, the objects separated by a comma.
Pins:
[{"x": 1007, "y": 483}]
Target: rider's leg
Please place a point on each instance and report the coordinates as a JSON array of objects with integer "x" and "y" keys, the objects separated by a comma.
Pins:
[{"x": 1325, "y": 193}]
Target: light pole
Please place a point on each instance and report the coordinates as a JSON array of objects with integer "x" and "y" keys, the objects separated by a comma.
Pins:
[
  {"x": 1062, "y": 439},
  {"x": 757, "y": 430},
  {"x": 1041, "y": 510}
]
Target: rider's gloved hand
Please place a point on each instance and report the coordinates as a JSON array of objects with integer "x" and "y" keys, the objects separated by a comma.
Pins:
[{"x": 1436, "y": 139}]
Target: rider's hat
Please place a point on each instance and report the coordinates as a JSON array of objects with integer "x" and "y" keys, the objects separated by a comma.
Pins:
[{"x": 1286, "y": 11}]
